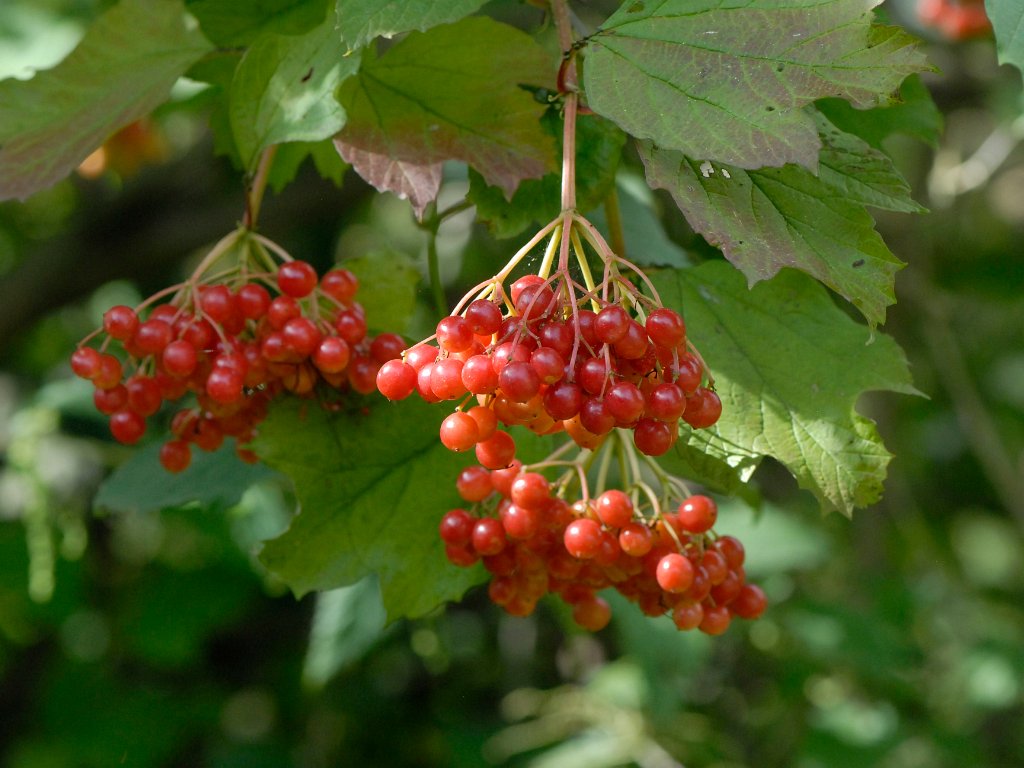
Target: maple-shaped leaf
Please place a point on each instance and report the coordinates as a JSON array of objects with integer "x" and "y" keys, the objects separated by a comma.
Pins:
[
  {"x": 359, "y": 21},
  {"x": 727, "y": 80},
  {"x": 122, "y": 69},
  {"x": 461, "y": 91},
  {"x": 372, "y": 487},
  {"x": 772, "y": 218},
  {"x": 789, "y": 366}
]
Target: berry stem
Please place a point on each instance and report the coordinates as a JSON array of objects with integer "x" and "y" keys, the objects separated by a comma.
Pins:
[
  {"x": 522, "y": 252},
  {"x": 568, "y": 84},
  {"x": 254, "y": 194},
  {"x": 432, "y": 224}
]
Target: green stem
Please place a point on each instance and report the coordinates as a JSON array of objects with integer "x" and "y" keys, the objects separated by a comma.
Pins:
[
  {"x": 434, "y": 268},
  {"x": 254, "y": 194}
]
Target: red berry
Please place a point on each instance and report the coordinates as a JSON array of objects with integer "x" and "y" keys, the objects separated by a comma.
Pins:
[
  {"x": 340, "y": 284},
  {"x": 485, "y": 419},
  {"x": 175, "y": 455},
  {"x": 152, "y": 336},
  {"x": 253, "y": 301},
  {"x": 519, "y": 381},
  {"x": 698, "y": 514},
  {"x": 582, "y": 538},
  {"x": 563, "y": 400},
  {"x": 281, "y": 310},
  {"x": 749, "y": 603},
  {"x": 497, "y": 451},
  {"x": 474, "y": 483},
  {"x": 688, "y": 615},
  {"x": 120, "y": 322},
  {"x": 143, "y": 395},
  {"x": 396, "y": 380},
  {"x": 484, "y": 317},
  {"x": 109, "y": 401},
  {"x": 732, "y": 549},
  {"x": 85, "y": 362},
  {"x": 301, "y": 336},
  {"x": 296, "y": 279},
  {"x": 703, "y": 408},
  {"x": 387, "y": 346},
  {"x": 454, "y": 333},
  {"x": 675, "y": 573},
  {"x": 351, "y": 326},
  {"x": 127, "y": 427},
  {"x": 479, "y": 376},
  {"x": 459, "y": 432},
  {"x": 332, "y": 355},
  {"x": 531, "y": 491},
  {"x": 224, "y": 385},
  {"x": 488, "y": 536},
  {"x": 716, "y": 620},
  {"x": 611, "y": 324},
  {"x": 456, "y": 527},
  {"x": 592, "y": 613},
  {"x": 614, "y": 508},
  {"x": 180, "y": 358},
  {"x": 636, "y": 539},
  {"x": 666, "y": 328},
  {"x": 446, "y": 379},
  {"x": 652, "y": 437}
]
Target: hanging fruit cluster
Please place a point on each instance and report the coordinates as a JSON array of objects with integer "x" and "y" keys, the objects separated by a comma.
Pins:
[
  {"x": 534, "y": 541},
  {"x": 235, "y": 339}
]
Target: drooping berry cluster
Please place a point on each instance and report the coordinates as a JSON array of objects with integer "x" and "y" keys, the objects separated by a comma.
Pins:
[
  {"x": 551, "y": 365},
  {"x": 533, "y": 542},
  {"x": 234, "y": 345}
]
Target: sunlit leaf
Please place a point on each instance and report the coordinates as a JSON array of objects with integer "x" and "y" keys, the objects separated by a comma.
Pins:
[
  {"x": 727, "y": 81},
  {"x": 772, "y": 218},
  {"x": 789, "y": 366}
]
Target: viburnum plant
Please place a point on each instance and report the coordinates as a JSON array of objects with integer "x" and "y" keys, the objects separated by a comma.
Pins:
[{"x": 575, "y": 411}]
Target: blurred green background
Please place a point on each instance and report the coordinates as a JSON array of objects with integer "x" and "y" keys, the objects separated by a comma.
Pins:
[{"x": 137, "y": 628}]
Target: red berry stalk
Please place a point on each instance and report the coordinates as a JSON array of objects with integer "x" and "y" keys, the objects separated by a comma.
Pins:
[{"x": 234, "y": 338}]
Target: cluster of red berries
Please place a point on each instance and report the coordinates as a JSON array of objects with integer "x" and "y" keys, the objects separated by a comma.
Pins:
[
  {"x": 955, "y": 19},
  {"x": 235, "y": 347},
  {"x": 552, "y": 366},
  {"x": 533, "y": 543}
]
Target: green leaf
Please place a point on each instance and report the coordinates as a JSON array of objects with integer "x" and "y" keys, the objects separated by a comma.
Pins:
[
  {"x": 453, "y": 93},
  {"x": 212, "y": 479},
  {"x": 346, "y": 624},
  {"x": 915, "y": 115},
  {"x": 1007, "y": 17},
  {"x": 234, "y": 23},
  {"x": 772, "y": 218},
  {"x": 699, "y": 459},
  {"x": 372, "y": 486},
  {"x": 123, "y": 68},
  {"x": 291, "y": 156},
  {"x": 387, "y": 288},
  {"x": 283, "y": 90},
  {"x": 789, "y": 366},
  {"x": 727, "y": 81},
  {"x": 537, "y": 201},
  {"x": 360, "y": 21}
]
